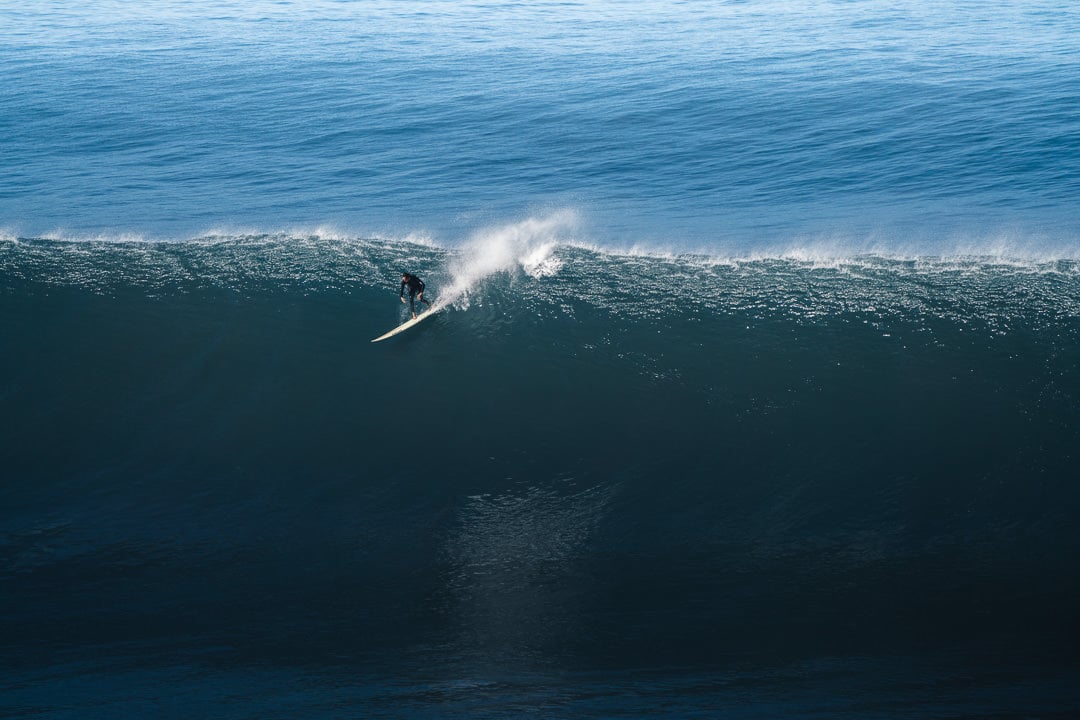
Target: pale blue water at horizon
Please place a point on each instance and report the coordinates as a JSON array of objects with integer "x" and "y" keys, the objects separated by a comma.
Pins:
[{"x": 690, "y": 126}]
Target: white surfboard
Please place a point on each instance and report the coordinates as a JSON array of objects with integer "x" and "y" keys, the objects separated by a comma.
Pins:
[{"x": 436, "y": 307}]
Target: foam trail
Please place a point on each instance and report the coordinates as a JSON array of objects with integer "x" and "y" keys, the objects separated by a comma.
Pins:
[{"x": 528, "y": 244}]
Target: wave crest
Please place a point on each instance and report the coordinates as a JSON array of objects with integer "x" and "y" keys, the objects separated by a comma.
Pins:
[{"x": 529, "y": 244}]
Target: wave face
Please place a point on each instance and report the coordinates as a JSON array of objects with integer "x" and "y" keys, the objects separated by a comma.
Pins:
[{"x": 590, "y": 460}]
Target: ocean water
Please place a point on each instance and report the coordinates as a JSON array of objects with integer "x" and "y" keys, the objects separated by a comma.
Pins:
[{"x": 757, "y": 393}]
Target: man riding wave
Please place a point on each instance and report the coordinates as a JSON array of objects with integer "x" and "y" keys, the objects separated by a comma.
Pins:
[{"x": 416, "y": 290}]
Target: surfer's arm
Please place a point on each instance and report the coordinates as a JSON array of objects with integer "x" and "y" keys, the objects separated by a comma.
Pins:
[{"x": 402, "y": 293}]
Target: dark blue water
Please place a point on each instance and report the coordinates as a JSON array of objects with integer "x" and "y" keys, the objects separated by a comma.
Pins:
[
  {"x": 596, "y": 485},
  {"x": 757, "y": 393}
]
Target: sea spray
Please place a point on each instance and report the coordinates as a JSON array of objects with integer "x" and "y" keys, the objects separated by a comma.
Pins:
[{"x": 527, "y": 245}]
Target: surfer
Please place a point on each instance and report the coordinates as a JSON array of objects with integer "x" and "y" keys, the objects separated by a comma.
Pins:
[{"x": 416, "y": 290}]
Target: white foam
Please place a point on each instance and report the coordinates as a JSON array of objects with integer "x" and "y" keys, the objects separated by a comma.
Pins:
[
  {"x": 529, "y": 244},
  {"x": 532, "y": 246},
  {"x": 322, "y": 232},
  {"x": 542, "y": 262},
  {"x": 834, "y": 251},
  {"x": 61, "y": 235}
]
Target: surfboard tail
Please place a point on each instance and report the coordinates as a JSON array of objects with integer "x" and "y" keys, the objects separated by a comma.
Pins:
[{"x": 434, "y": 308}]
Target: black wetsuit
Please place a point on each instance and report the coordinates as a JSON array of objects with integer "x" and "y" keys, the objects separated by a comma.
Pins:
[{"x": 415, "y": 285}]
